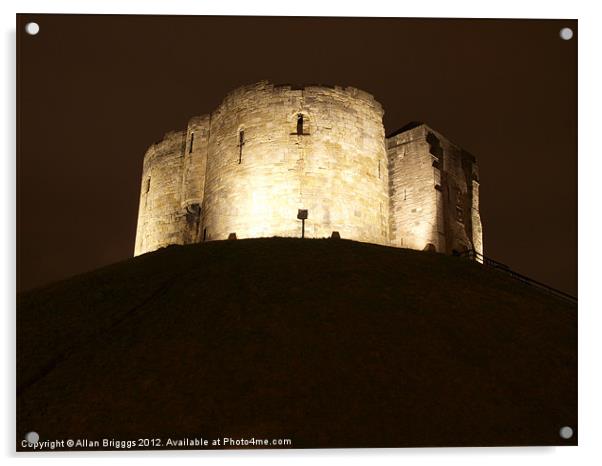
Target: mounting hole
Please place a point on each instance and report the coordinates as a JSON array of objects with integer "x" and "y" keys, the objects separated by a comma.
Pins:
[
  {"x": 32, "y": 437},
  {"x": 566, "y": 33},
  {"x": 566, "y": 432},
  {"x": 32, "y": 28}
]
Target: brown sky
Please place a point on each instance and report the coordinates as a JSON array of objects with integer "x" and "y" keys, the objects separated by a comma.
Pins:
[{"x": 95, "y": 91}]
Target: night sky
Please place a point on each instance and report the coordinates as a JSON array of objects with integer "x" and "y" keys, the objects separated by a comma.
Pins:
[{"x": 95, "y": 91}]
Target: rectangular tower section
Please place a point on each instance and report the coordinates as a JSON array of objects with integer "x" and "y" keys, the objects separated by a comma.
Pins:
[
  {"x": 434, "y": 195},
  {"x": 414, "y": 217}
]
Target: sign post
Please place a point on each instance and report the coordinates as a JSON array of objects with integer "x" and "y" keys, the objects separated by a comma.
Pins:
[{"x": 302, "y": 215}]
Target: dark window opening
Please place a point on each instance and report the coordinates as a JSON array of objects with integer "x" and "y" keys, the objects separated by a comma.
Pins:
[
  {"x": 204, "y": 234},
  {"x": 300, "y": 124},
  {"x": 241, "y": 142},
  {"x": 435, "y": 145},
  {"x": 459, "y": 214},
  {"x": 191, "y": 142},
  {"x": 147, "y": 187}
]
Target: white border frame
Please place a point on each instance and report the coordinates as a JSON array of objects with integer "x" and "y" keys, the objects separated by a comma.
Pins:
[{"x": 590, "y": 155}]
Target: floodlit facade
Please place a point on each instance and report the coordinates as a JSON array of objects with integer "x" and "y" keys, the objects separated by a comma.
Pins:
[{"x": 270, "y": 151}]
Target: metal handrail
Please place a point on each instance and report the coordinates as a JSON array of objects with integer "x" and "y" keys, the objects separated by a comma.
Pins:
[{"x": 491, "y": 263}]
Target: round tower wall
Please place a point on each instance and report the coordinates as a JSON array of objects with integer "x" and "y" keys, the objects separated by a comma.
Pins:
[
  {"x": 160, "y": 218},
  {"x": 274, "y": 150}
]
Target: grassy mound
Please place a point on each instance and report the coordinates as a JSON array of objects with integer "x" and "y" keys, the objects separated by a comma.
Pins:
[{"x": 329, "y": 343}]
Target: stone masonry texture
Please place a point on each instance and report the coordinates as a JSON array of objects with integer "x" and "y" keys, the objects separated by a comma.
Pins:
[{"x": 268, "y": 151}]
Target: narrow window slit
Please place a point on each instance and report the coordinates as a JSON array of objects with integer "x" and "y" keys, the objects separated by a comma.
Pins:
[
  {"x": 191, "y": 142},
  {"x": 241, "y": 142},
  {"x": 299, "y": 124}
]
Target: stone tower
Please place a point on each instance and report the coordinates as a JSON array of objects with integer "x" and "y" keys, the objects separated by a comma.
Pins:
[
  {"x": 269, "y": 151},
  {"x": 434, "y": 192}
]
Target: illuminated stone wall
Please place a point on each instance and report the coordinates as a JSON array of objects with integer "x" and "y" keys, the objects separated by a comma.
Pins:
[
  {"x": 160, "y": 219},
  {"x": 268, "y": 151},
  {"x": 173, "y": 183},
  {"x": 434, "y": 193},
  {"x": 331, "y": 168}
]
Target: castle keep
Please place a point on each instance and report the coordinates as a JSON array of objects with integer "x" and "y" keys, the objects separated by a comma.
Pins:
[{"x": 268, "y": 151}]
